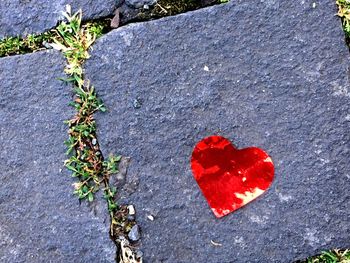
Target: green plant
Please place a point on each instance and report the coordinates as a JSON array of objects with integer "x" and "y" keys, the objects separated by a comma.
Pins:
[
  {"x": 334, "y": 256},
  {"x": 344, "y": 13},
  {"x": 111, "y": 167},
  {"x": 34, "y": 42},
  {"x": 17, "y": 45},
  {"x": 98, "y": 28},
  {"x": 85, "y": 160}
]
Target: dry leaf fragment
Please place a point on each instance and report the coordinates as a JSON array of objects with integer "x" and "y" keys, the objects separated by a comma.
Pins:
[
  {"x": 116, "y": 19},
  {"x": 215, "y": 243}
]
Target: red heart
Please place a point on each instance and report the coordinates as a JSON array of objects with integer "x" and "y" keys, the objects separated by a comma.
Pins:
[{"x": 230, "y": 178}]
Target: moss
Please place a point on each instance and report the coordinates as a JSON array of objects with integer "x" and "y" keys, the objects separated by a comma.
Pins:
[
  {"x": 17, "y": 45},
  {"x": 99, "y": 27},
  {"x": 21, "y": 45},
  {"x": 334, "y": 256},
  {"x": 344, "y": 14}
]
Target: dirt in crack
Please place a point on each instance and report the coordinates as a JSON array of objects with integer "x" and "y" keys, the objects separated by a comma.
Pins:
[
  {"x": 163, "y": 8},
  {"x": 86, "y": 161}
]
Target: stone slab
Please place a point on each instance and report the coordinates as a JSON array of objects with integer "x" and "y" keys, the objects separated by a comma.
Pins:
[
  {"x": 36, "y": 16},
  {"x": 40, "y": 219},
  {"x": 271, "y": 74}
]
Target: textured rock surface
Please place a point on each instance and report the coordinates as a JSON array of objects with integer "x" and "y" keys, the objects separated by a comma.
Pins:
[
  {"x": 40, "y": 219},
  {"x": 35, "y": 16},
  {"x": 266, "y": 73},
  {"x": 140, "y": 3}
]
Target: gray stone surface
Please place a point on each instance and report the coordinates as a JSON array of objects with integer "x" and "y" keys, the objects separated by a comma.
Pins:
[
  {"x": 140, "y": 3},
  {"x": 272, "y": 74},
  {"x": 40, "y": 219},
  {"x": 134, "y": 234},
  {"x": 22, "y": 17}
]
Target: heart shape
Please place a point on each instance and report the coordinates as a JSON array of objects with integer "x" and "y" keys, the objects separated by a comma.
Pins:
[{"x": 228, "y": 177}]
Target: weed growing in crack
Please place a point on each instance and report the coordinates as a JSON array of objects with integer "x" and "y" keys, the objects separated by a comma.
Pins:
[
  {"x": 34, "y": 42},
  {"x": 17, "y": 45},
  {"x": 86, "y": 161},
  {"x": 344, "y": 13},
  {"x": 85, "y": 158},
  {"x": 110, "y": 167},
  {"x": 335, "y": 256}
]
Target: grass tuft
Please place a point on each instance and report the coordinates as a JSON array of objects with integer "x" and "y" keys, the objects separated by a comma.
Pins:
[
  {"x": 34, "y": 42},
  {"x": 344, "y": 13},
  {"x": 334, "y": 256},
  {"x": 17, "y": 45},
  {"x": 85, "y": 160}
]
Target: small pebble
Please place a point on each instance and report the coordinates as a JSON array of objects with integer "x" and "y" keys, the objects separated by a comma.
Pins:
[
  {"x": 93, "y": 141},
  {"x": 134, "y": 233},
  {"x": 150, "y": 217},
  {"x": 137, "y": 103},
  {"x": 47, "y": 45},
  {"x": 116, "y": 19},
  {"x": 131, "y": 210}
]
